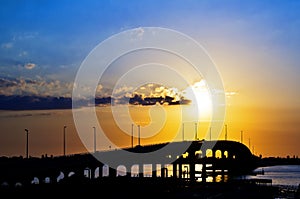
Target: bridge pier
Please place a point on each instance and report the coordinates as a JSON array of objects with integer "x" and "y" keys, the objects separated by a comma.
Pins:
[
  {"x": 154, "y": 170},
  {"x": 112, "y": 172},
  {"x": 141, "y": 171},
  {"x": 192, "y": 171},
  {"x": 203, "y": 173},
  {"x": 175, "y": 170},
  {"x": 164, "y": 172},
  {"x": 180, "y": 170}
]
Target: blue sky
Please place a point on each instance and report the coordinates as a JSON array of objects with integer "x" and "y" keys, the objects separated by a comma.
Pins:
[{"x": 48, "y": 40}]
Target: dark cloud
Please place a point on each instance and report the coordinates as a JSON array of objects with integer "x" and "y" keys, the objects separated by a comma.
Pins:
[
  {"x": 167, "y": 100},
  {"x": 33, "y": 94},
  {"x": 7, "y": 83}
]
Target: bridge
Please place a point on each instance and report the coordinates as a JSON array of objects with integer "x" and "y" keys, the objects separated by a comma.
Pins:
[{"x": 199, "y": 161}]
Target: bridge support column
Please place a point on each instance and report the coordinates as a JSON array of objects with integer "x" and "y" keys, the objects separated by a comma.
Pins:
[
  {"x": 192, "y": 171},
  {"x": 112, "y": 172},
  {"x": 175, "y": 170},
  {"x": 214, "y": 174},
  {"x": 154, "y": 170},
  {"x": 203, "y": 173},
  {"x": 101, "y": 171},
  {"x": 93, "y": 169},
  {"x": 180, "y": 170},
  {"x": 141, "y": 170},
  {"x": 164, "y": 172}
]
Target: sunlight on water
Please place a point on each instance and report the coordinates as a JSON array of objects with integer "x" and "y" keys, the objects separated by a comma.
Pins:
[{"x": 280, "y": 175}]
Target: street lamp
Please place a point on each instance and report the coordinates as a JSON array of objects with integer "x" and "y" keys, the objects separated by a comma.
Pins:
[
  {"x": 196, "y": 131},
  {"x": 242, "y": 137},
  {"x": 64, "y": 142},
  {"x": 225, "y": 131},
  {"x": 27, "y": 142},
  {"x": 132, "y": 125},
  {"x": 95, "y": 139},
  {"x": 139, "y": 135},
  {"x": 182, "y": 131}
]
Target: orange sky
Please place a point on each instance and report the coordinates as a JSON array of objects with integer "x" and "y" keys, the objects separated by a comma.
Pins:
[{"x": 272, "y": 132}]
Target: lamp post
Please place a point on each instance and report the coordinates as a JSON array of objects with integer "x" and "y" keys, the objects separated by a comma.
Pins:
[
  {"x": 196, "y": 133},
  {"x": 182, "y": 131},
  {"x": 64, "y": 140},
  {"x": 132, "y": 125},
  {"x": 242, "y": 137},
  {"x": 139, "y": 135},
  {"x": 225, "y": 131},
  {"x": 95, "y": 144},
  {"x": 26, "y": 130},
  {"x": 249, "y": 144}
]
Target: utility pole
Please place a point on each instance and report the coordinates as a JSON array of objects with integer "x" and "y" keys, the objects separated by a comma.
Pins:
[
  {"x": 95, "y": 144},
  {"x": 196, "y": 131},
  {"x": 64, "y": 140},
  {"x": 242, "y": 137},
  {"x": 249, "y": 144},
  {"x": 139, "y": 138},
  {"x": 210, "y": 133},
  {"x": 182, "y": 131},
  {"x": 225, "y": 131},
  {"x": 27, "y": 156},
  {"x": 132, "y": 135}
]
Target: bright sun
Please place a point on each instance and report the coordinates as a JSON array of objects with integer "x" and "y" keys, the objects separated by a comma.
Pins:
[{"x": 201, "y": 98}]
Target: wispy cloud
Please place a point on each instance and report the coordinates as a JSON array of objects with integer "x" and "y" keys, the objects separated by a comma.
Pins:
[
  {"x": 137, "y": 34},
  {"x": 7, "y": 45},
  {"x": 230, "y": 94},
  {"x": 25, "y": 36},
  {"x": 30, "y": 66},
  {"x": 39, "y": 87}
]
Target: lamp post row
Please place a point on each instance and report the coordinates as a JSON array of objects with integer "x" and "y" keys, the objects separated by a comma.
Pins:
[
  {"x": 64, "y": 141},
  {"x": 132, "y": 126}
]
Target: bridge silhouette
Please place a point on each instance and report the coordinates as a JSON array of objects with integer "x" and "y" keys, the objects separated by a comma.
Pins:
[{"x": 201, "y": 159}]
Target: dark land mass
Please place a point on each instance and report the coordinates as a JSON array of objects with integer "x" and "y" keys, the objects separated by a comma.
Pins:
[
  {"x": 273, "y": 161},
  {"x": 124, "y": 187}
]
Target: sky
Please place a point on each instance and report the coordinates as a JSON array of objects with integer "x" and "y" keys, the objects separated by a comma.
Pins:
[{"x": 255, "y": 46}]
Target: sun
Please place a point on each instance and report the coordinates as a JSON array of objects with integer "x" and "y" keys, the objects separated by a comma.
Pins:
[{"x": 200, "y": 96}]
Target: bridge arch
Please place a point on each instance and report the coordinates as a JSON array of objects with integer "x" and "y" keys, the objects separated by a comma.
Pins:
[
  {"x": 209, "y": 153},
  {"x": 135, "y": 170},
  {"x": 121, "y": 170},
  {"x": 199, "y": 154},
  {"x": 225, "y": 154},
  {"x": 218, "y": 154},
  {"x": 105, "y": 170}
]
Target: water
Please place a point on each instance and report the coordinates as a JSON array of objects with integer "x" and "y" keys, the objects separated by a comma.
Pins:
[{"x": 286, "y": 175}]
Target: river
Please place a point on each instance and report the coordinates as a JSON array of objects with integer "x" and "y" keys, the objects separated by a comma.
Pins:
[{"x": 285, "y": 175}]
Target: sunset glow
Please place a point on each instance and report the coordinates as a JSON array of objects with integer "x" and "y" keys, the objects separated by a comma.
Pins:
[{"x": 166, "y": 88}]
